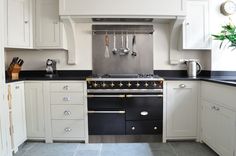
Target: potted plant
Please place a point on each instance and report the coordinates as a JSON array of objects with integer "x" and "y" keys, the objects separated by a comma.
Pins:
[{"x": 227, "y": 36}]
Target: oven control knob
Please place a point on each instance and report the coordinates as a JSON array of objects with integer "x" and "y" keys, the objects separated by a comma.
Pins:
[
  {"x": 95, "y": 84},
  {"x": 137, "y": 84},
  {"x": 129, "y": 84},
  {"x": 146, "y": 84},
  {"x": 104, "y": 85},
  {"x": 112, "y": 84},
  {"x": 154, "y": 84},
  {"x": 120, "y": 84}
]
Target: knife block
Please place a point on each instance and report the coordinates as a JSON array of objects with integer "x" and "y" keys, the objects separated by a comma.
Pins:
[{"x": 14, "y": 71}]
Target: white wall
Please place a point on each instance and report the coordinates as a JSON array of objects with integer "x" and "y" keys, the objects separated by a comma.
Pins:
[
  {"x": 35, "y": 60},
  {"x": 222, "y": 59}
]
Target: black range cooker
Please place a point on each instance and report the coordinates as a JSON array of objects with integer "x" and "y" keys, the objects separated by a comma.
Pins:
[{"x": 125, "y": 104}]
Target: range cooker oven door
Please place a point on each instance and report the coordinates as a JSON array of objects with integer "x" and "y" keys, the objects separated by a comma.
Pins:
[
  {"x": 106, "y": 114},
  {"x": 144, "y": 113}
]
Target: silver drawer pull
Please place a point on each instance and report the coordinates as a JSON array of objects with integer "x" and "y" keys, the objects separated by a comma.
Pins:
[
  {"x": 68, "y": 129},
  {"x": 155, "y": 128},
  {"x": 144, "y": 113},
  {"x": 106, "y": 112},
  {"x": 66, "y": 99},
  {"x": 133, "y": 128},
  {"x": 102, "y": 96},
  {"x": 66, "y": 87},
  {"x": 17, "y": 87},
  {"x": 182, "y": 85},
  {"x": 131, "y": 95},
  {"x": 67, "y": 113}
]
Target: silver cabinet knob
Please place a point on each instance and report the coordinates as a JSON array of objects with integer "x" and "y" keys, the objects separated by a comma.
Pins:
[
  {"x": 67, "y": 129},
  {"x": 155, "y": 128},
  {"x": 133, "y": 128},
  {"x": 26, "y": 21},
  {"x": 67, "y": 113},
  {"x": 182, "y": 85},
  {"x": 120, "y": 84},
  {"x": 129, "y": 84},
  {"x": 144, "y": 113},
  {"x": 66, "y": 87},
  {"x": 66, "y": 99},
  {"x": 137, "y": 84}
]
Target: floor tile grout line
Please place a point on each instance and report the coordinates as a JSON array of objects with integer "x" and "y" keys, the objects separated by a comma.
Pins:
[{"x": 176, "y": 153}]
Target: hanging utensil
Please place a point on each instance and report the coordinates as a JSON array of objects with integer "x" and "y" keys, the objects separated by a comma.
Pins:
[
  {"x": 114, "y": 50},
  {"x": 127, "y": 50},
  {"x": 107, "y": 54},
  {"x": 122, "y": 49},
  {"x": 134, "y": 51}
]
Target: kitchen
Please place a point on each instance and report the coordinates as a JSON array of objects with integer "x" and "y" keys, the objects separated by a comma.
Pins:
[{"x": 103, "y": 78}]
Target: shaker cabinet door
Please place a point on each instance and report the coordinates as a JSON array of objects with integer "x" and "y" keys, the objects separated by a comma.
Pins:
[
  {"x": 18, "y": 24},
  {"x": 47, "y": 24},
  {"x": 182, "y": 102},
  {"x": 34, "y": 110}
]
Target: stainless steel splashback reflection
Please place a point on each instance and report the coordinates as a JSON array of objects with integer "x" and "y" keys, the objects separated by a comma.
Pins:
[{"x": 127, "y": 64}]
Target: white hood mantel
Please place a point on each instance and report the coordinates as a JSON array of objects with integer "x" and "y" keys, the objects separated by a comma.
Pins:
[{"x": 76, "y": 11}]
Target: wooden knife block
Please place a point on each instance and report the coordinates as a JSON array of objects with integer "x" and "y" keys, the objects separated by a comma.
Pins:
[{"x": 14, "y": 71}]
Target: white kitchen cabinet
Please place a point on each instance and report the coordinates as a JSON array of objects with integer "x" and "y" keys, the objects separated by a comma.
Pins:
[
  {"x": 34, "y": 110},
  {"x": 218, "y": 118},
  {"x": 196, "y": 30},
  {"x": 18, "y": 113},
  {"x": 122, "y": 8},
  {"x": 17, "y": 120},
  {"x": 18, "y": 22},
  {"x": 182, "y": 109},
  {"x": 48, "y": 31}
]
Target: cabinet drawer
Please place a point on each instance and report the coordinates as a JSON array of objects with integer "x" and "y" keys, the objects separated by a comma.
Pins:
[
  {"x": 67, "y": 87},
  {"x": 68, "y": 128},
  {"x": 67, "y": 98},
  {"x": 143, "y": 127},
  {"x": 182, "y": 84},
  {"x": 67, "y": 111}
]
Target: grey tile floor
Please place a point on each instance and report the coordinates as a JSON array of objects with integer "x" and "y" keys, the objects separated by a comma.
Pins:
[{"x": 116, "y": 149}]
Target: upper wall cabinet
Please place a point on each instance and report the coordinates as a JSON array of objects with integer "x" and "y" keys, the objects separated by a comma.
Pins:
[
  {"x": 18, "y": 23},
  {"x": 122, "y": 8},
  {"x": 48, "y": 30},
  {"x": 196, "y": 34},
  {"x": 33, "y": 24}
]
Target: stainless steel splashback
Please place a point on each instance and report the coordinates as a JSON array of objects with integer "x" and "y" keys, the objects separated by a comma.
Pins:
[{"x": 127, "y": 64}]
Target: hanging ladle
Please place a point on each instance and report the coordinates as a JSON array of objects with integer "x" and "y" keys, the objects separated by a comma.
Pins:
[{"x": 114, "y": 50}]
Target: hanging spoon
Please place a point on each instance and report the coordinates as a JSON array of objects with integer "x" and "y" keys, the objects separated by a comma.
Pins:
[{"x": 114, "y": 50}]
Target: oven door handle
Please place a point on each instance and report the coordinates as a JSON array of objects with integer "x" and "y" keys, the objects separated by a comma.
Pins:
[
  {"x": 131, "y": 95},
  {"x": 104, "y": 96},
  {"x": 106, "y": 112}
]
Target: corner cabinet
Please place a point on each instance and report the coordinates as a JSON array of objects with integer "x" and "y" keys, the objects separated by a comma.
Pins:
[
  {"x": 34, "y": 110},
  {"x": 48, "y": 29},
  {"x": 18, "y": 23},
  {"x": 219, "y": 118},
  {"x": 181, "y": 109},
  {"x": 196, "y": 29}
]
